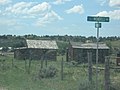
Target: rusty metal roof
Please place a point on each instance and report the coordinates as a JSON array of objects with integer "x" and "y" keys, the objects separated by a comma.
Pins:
[
  {"x": 42, "y": 44},
  {"x": 89, "y": 45}
]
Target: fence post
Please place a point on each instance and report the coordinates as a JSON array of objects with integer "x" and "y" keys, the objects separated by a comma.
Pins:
[
  {"x": 107, "y": 73},
  {"x": 12, "y": 63},
  {"x": 89, "y": 66},
  {"x": 25, "y": 65},
  {"x": 46, "y": 62},
  {"x": 62, "y": 69},
  {"x": 42, "y": 63},
  {"x": 29, "y": 66},
  {"x": 3, "y": 64},
  {"x": 42, "y": 60}
]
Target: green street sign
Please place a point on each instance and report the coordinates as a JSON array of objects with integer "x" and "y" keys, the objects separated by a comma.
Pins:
[
  {"x": 97, "y": 19},
  {"x": 98, "y": 25}
]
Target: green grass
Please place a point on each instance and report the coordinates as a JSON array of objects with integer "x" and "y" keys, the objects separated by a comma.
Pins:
[{"x": 75, "y": 77}]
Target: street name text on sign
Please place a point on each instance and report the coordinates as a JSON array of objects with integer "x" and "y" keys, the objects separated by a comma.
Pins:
[{"x": 98, "y": 19}]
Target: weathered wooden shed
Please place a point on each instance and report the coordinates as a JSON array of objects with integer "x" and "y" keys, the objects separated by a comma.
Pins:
[
  {"x": 37, "y": 49},
  {"x": 78, "y": 52}
]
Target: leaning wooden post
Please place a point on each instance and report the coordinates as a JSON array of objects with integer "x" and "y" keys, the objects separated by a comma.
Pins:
[
  {"x": 3, "y": 64},
  {"x": 42, "y": 63},
  {"x": 0, "y": 63},
  {"x": 62, "y": 69},
  {"x": 12, "y": 63},
  {"x": 89, "y": 66},
  {"x": 46, "y": 62},
  {"x": 42, "y": 59},
  {"x": 29, "y": 66},
  {"x": 25, "y": 65},
  {"x": 30, "y": 59},
  {"x": 107, "y": 73}
]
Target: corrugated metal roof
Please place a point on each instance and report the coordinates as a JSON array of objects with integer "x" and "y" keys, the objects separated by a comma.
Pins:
[
  {"x": 42, "y": 44},
  {"x": 89, "y": 45}
]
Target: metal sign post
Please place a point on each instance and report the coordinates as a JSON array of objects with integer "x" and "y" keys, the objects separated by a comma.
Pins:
[{"x": 97, "y": 25}]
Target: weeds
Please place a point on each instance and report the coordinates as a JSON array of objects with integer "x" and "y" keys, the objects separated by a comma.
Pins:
[{"x": 47, "y": 72}]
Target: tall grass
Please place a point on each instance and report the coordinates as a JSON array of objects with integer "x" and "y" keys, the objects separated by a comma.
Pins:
[{"x": 75, "y": 77}]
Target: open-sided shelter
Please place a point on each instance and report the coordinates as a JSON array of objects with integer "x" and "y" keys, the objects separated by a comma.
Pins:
[
  {"x": 78, "y": 52},
  {"x": 37, "y": 49}
]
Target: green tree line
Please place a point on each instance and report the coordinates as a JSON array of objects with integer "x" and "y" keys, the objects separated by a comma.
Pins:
[{"x": 15, "y": 41}]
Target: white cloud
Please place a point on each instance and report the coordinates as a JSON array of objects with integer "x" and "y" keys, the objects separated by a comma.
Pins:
[
  {"x": 19, "y": 8},
  {"x": 115, "y": 3},
  {"x": 112, "y": 14},
  {"x": 102, "y": 2},
  {"x": 28, "y": 9},
  {"x": 76, "y": 9},
  {"x": 112, "y": 3},
  {"x": 39, "y": 8},
  {"x": 48, "y": 18},
  {"x": 2, "y": 2},
  {"x": 22, "y": 11},
  {"x": 60, "y": 1}
]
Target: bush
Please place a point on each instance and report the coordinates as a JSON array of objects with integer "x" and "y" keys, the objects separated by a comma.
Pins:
[
  {"x": 5, "y": 49},
  {"x": 47, "y": 72},
  {"x": 86, "y": 85}
]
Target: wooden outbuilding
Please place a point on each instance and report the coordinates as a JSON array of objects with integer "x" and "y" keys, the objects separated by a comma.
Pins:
[
  {"x": 118, "y": 59},
  {"x": 78, "y": 52},
  {"x": 37, "y": 50}
]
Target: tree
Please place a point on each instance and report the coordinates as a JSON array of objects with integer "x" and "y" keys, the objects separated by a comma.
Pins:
[{"x": 5, "y": 49}]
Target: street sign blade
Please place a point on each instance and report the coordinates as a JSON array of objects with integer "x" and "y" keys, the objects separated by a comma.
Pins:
[
  {"x": 91, "y": 18},
  {"x": 97, "y": 19},
  {"x": 103, "y": 19}
]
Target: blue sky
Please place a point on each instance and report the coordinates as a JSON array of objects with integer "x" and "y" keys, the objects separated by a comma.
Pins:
[{"x": 58, "y": 17}]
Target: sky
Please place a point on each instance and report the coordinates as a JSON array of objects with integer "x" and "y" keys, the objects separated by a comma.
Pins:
[{"x": 58, "y": 17}]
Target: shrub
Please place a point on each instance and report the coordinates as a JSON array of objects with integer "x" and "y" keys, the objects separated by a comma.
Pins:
[
  {"x": 47, "y": 72},
  {"x": 86, "y": 85}
]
